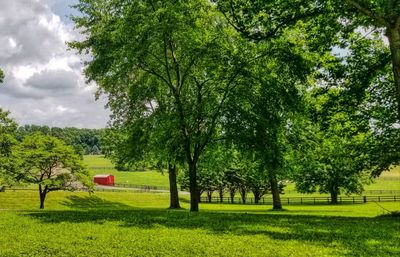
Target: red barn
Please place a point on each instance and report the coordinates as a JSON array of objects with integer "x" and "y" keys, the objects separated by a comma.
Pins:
[{"x": 105, "y": 180}]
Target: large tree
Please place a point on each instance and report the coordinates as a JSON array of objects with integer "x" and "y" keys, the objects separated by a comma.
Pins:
[
  {"x": 177, "y": 55},
  {"x": 265, "y": 103},
  {"x": 329, "y": 23},
  {"x": 49, "y": 163}
]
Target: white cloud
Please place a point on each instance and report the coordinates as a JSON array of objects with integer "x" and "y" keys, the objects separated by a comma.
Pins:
[{"x": 44, "y": 83}]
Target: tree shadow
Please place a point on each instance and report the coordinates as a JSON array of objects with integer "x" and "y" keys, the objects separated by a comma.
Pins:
[
  {"x": 352, "y": 234},
  {"x": 92, "y": 202}
]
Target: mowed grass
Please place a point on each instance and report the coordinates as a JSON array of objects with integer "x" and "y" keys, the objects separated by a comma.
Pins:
[
  {"x": 138, "y": 224},
  {"x": 97, "y": 164}
]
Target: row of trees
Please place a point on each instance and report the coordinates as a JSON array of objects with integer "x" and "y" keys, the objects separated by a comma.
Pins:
[
  {"x": 299, "y": 90},
  {"x": 84, "y": 141}
]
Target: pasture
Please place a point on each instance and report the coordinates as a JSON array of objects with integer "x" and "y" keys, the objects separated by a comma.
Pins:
[{"x": 139, "y": 224}]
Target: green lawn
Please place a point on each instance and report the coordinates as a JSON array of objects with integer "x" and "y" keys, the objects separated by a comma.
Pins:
[{"x": 134, "y": 224}]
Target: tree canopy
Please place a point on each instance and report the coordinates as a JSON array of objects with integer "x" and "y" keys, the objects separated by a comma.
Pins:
[
  {"x": 175, "y": 56},
  {"x": 49, "y": 163},
  {"x": 330, "y": 23}
]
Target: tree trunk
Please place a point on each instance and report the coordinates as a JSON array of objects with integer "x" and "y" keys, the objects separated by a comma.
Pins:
[
  {"x": 209, "y": 195},
  {"x": 243, "y": 194},
  {"x": 232, "y": 192},
  {"x": 257, "y": 196},
  {"x": 334, "y": 197},
  {"x": 276, "y": 198},
  {"x": 221, "y": 194},
  {"x": 42, "y": 195},
  {"x": 393, "y": 35},
  {"x": 194, "y": 192},
  {"x": 173, "y": 187}
]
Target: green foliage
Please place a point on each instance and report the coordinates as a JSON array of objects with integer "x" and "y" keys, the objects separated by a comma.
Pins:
[
  {"x": 330, "y": 25},
  {"x": 7, "y": 141},
  {"x": 1, "y": 76},
  {"x": 84, "y": 141},
  {"x": 49, "y": 163},
  {"x": 173, "y": 61},
  {"x": 333, "y": 152}
]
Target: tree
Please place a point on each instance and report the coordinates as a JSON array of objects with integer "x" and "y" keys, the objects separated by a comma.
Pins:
[
  {"x": 139, "y": 140},
  {"x": 260, "y": 111},
  {"x": 50, "y": 163},
  {"x": 335, "y": 162},
  {"x": 330, "y": 22},
  {"x": 7, "y": 141},
  {"x": 177, "y": 55},
  {"x": 1, "y": 76},
  {"x": 212, "y": 167}
]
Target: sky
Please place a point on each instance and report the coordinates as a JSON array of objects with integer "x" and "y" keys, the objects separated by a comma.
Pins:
[{"x": 44, "y": 84}]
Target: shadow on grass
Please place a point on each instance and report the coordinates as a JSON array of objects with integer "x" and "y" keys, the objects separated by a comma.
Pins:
[
  {"x": 92, "y": 202},
  {"x": 351, "y": 236}
]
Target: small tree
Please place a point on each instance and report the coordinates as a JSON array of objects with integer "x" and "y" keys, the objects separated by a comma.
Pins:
[
  {"x": 50, "y": 163},
  {"x": 1, "y": 76},
  {"x": 333, "y": 150}
]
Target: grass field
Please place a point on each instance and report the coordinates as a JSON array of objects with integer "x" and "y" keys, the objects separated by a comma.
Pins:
[{"x": 138, "y": 224}]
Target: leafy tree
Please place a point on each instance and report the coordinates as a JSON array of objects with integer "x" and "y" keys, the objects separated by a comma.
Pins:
[
  {"x": 212, "y": 167},
  {"x": 264, "y": 104},
  {"x": 139, "y": 141},
  {"x": 330, "y": 23},
  {"x": 95, "y": 150},
  {"x": 181, "y": 50},
  {"x": 50, "y": 163},
  {"x": 335, "y": 162},
  {"x": 1, "y": 76},
  {"x": 7, "y": 141}
]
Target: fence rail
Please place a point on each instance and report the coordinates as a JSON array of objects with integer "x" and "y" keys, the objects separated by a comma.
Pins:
[
  {"x": 147, "y": 187},
  {"x": 367, "y": 192},
  {"x": 304, "y": 200},
  {"x": 143, "y": 187}
]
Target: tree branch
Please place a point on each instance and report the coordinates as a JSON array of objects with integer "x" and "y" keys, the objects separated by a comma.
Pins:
[{"x": 368, "y": 12}]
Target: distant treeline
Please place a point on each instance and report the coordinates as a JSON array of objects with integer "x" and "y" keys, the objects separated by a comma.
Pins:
[{"x": 84, "y": 141}]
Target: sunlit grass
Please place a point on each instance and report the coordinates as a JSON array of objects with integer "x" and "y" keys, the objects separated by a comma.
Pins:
[{"x": 139, "y": 224}]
